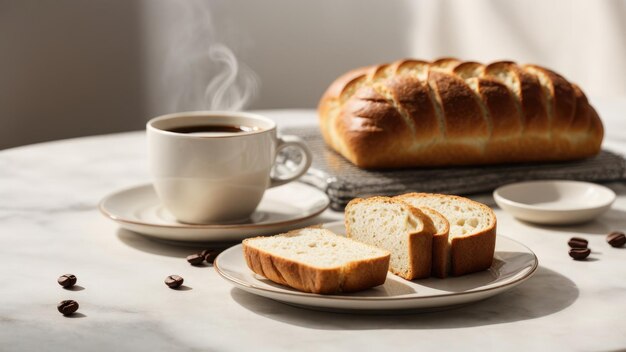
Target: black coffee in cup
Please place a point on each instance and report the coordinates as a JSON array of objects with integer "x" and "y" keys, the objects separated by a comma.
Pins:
[{"x": 199, "y": 129}]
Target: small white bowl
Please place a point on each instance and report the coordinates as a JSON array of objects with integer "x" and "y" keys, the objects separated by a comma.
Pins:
[{"x": 554, "y": 202}]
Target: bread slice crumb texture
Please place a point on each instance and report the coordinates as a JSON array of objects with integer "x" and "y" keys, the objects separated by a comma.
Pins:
[
  {"x": 394, "y": 226},
  {"x": 316, "y": 247},
  {"x": 385, "y": 226},
  {"x": 465, "y": 216}
]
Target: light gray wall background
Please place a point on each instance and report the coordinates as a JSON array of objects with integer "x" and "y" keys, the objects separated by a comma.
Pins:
[{"x": 71, "y": 68}]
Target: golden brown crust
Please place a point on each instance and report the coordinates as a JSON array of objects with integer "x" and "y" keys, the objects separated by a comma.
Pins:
[
  {"x": 440, "y": 254},
  {"x": 420, "y": 254},
  {"x": 354, "y": 276},
  {"x": 462, "y": 114},
  {"x": 469, "y": 253},
  {"x": 414, "y": 113},
  {"x": 414, "y": 98},
  {"x": 419, "y": 242}
]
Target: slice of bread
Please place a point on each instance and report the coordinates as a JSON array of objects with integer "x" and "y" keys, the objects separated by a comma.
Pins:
[
  {"x": 397, "y": 227},
  {"x": 472, "y": 237},
  {"x": 440, "y": 242},
  {"x": 316, "y": 260}
]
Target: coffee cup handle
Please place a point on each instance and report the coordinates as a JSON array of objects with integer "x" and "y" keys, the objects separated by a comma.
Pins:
[{"x": 307, "y": 158}]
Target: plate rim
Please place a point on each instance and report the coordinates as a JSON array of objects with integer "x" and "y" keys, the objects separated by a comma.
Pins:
[
  {"x": 117, "y": 218},
  {"x": 238, "y": 282}
]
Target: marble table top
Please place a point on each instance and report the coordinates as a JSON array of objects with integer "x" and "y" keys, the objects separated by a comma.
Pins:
[{"x": 50, "y": 225}]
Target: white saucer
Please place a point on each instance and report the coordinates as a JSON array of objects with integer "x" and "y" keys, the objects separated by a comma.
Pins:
[
  {"x": 283, "y": 208},
  {"x": 513, "y": 264},
  {"x": 554, "y": 202}
]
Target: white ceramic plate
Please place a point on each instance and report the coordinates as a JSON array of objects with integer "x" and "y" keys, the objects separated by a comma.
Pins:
[
  {"x": 283, "y": 208},
  {"x": 554, "y": 202},
  {"x": 514, "y": 263}
]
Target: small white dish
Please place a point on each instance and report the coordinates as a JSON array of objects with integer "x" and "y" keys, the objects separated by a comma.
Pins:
[
  {"x": 554, "y": 202},
  {"x": 513, "y": 264},
  {"x": 282, "y": 208}
]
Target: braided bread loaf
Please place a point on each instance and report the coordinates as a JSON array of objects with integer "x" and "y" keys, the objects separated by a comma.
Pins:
[{"x": 415, "y": 113}]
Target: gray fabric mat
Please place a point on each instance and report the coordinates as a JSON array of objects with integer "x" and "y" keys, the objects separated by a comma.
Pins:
[{"x": 343, "y": 181}]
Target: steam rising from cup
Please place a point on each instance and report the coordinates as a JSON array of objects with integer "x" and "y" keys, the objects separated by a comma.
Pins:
[
  {"x": 202, "y": 73},
  {"x": 234, "y": 86}
]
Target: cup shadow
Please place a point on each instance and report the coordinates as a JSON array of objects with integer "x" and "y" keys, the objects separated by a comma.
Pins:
[
  {"x": 547, "y": 292},
  {"x": 166, "y": 248},
  {"x": 181, "y": 249}
]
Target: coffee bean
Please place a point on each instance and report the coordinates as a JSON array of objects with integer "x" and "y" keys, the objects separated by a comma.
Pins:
[
  {"x": 577, "y": 242},
  {"x": 579, "y": 253},
  {"x": 67, "y": 280},
  {"x": 210, "y": 255},
  {"x": 616, "y": 239},
  {"x": 174, "y": 281},
  {"x": 67, "y": 307},
  {"x": 195, "y": 259}
]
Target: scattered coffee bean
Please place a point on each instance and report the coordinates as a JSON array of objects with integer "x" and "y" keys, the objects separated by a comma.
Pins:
[
  {"x": 195, "y": 259},
  {"x": 579, "y": 253},
  {"x": 67, "y": 307},
  {"x": 577, "y": 242},
  {"x": 210, "y": 255},
  {"x": 67, "y": 280},
  {"x": 616, "y": 239},
  {"x": 174, "y": 281}
]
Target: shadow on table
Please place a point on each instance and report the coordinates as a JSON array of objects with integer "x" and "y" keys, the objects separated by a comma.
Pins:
[
  {"x": 165, "y": 248},
  {"x": 76, "y": 315},
  {"x": 182, "y": 249},
  {"x": 612, "y": 220},
  {"x": 547, "y": 292}
]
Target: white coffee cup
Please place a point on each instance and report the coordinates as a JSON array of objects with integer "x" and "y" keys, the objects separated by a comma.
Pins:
[{"x": 217, "y": 177}]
